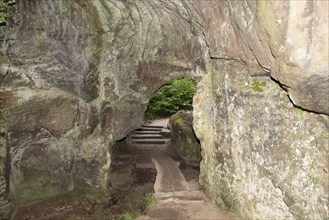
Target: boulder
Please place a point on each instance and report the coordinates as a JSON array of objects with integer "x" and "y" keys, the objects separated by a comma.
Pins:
[{"x": 183, "y": 138}]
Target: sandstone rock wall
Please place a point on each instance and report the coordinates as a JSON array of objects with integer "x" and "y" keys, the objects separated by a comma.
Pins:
[
  {"x": 261, "y": 157},
  {"x": 76, "y": 76},
  {"x": 286, "y": 40},
  {"x": 183, "y": 139}
]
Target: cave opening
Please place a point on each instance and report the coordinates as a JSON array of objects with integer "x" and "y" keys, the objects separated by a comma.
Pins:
[
  {"x": 76, "y": 76},
  {"x": 163, "y": 156},
  {"x": 171, "y": 97}
]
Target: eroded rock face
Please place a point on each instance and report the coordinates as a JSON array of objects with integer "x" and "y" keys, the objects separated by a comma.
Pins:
[
  {"x": 286, "y": 40},
  {"x": 76, "y": 76},
  {"x": 262, "y": 158},
  {"x": 41, "y": 152}
]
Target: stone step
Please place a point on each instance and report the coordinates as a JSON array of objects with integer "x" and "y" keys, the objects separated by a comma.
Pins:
[
  {"x": 4, "y": 210},
  {"x": 152, "y": 126},
  {"x": 146, "y": 136},
  {"x": 2, "y": 183},
  {"x": 148, "y": 141},
  {"x": 165, "y": 134},
  {"x": 145, "y": 132},
  {"x": 3, "y": 202},
  {"x": 2, "y": 192},
  {"x": 3, "y": 206},
  {"x": 149, "y": 129},
  {"x": 3, "y": 187}
]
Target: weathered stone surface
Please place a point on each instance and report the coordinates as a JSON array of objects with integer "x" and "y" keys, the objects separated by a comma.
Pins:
[
  {"x": 98, "y": 62},
  {"x": 262, "y": 158},
  {"x": 41, "y": 169},
  {"x": 40, "y": 149},
  {"x": 183, "y": 138},
  {"x": 57, "y": 46},
  {"x": 284, "y": 39},
  {"x": 76, "y": 76}
]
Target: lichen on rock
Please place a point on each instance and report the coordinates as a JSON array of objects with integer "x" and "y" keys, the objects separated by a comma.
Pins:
[
  {"x": 265, "y": 145},
  {"x": 76, "y": 76},
  {"x": 183, "y": 139}
]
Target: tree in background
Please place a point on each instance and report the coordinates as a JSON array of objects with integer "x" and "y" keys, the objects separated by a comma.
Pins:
[
  {"x": 4, "y": 7},
  {"x": 172, "y": 97}
]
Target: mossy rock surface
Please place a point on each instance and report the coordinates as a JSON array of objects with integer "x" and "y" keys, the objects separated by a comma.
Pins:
[{"x": 183, "y": 138}]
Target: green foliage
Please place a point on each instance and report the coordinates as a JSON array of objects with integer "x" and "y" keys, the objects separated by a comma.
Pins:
[
  {"x": 130, "y": 215},
  {"x": 300, "y": 111},
  {"x": 147, "y": 203},
  {"x": 313, "y": 180},
  {"x": 144, "y": 203},
  {"x": 172, "y": 97},
  {"x": 258, "y": 86},
  {"x": 7, "y": 211},
  {"x": 4, "y": 6},
  {"x": 312, "y": 166}
]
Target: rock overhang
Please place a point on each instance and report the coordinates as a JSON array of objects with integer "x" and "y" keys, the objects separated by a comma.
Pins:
[{"x": 113, "y": 55}]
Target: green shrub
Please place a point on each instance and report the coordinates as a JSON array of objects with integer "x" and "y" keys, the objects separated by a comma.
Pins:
[
  {"x": 258, "y": 86},
  {"x": 4, "y": 6},
  {"x": 140, "y": 205},
  {"x": 147, "y": 203},
  {"x": 130, "y": 215},
  {"x": 172, "y": 97}
]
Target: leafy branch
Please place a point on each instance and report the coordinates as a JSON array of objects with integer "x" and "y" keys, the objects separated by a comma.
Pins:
[{"x": 172, "y": 97}]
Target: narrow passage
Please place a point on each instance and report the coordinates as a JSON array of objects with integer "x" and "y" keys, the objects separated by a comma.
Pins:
[
  {"x": 177, "y": 199},
  {"x": 143, "y": 166}
]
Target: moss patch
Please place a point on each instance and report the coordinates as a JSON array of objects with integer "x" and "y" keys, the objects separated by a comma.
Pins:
[
  {"x": 35, "y": 194},
  {"x": 258, "y": 86},
  {"x": 182, "y": 136},
  {"x": 130, "y": 215},
  {"x": 2, "y": 58},
  {"x": 91, "y": 194},
  {"x": 7, "y": 213},
  {"x": 180, "y": 122},
  {"x": 139, "y": 204}
]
